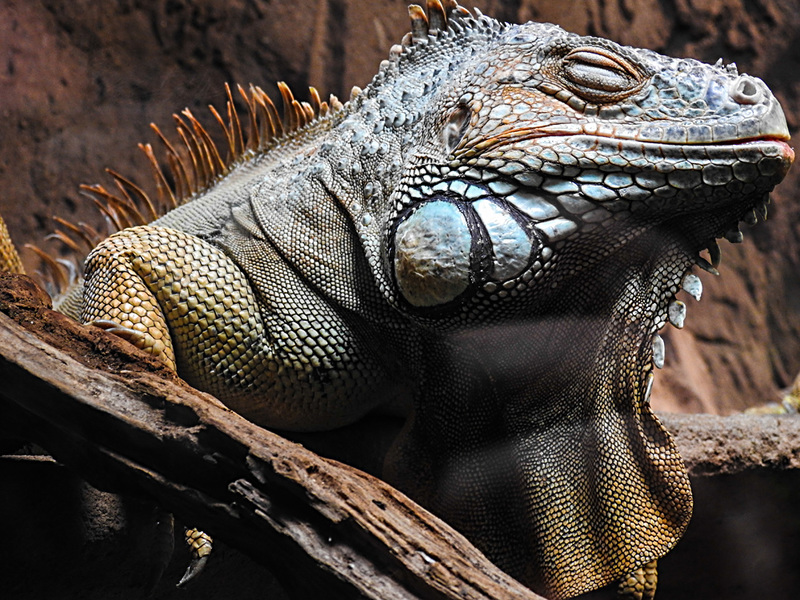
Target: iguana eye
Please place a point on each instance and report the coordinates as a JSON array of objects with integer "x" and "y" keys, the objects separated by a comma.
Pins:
[{"x": 598, "y": 75}]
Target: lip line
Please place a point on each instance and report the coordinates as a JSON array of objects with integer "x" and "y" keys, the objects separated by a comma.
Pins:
[
  {"x": 765, "y": 138},
  {"x": 775, "y": 139}
]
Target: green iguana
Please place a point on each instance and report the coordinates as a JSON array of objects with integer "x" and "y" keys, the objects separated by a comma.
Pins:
[{"x": 487, "y": 239}]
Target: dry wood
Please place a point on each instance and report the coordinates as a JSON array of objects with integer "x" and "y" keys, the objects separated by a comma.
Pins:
[{"x": 128, "y": 425}]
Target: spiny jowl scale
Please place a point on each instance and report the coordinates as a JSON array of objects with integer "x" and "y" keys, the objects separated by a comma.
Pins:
[{"x": 488, "y": 238}]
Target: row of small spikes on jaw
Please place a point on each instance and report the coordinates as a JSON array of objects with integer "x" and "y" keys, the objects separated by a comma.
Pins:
[{"x": 191, "y": 165}]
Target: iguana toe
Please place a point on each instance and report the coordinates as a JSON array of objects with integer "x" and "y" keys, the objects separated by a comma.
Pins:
[
  {"x": 639, "y": 584},
  {"x": 138, "y": 338},
  {"x": 200, "y": 544}
]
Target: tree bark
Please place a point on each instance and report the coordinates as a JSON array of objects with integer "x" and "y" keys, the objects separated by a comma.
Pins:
[{"x": 128, "y": 424}]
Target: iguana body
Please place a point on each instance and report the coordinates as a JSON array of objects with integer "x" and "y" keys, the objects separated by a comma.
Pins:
[{"x": 487, "y": 239}]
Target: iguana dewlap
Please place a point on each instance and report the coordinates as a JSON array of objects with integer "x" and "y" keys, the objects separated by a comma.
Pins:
[{"x": 488, "y": 238}]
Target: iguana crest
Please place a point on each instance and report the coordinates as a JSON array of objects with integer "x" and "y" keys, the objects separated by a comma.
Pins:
[{"x": 189, "y": 167}]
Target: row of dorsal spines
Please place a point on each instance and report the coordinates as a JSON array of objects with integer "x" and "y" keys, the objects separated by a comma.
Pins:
[
  {"x": 187, "y": 167},
  {"x": 194, "y": 162}
]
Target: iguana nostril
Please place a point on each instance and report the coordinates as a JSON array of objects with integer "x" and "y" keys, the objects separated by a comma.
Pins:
[{"x": 744, "y": 90}]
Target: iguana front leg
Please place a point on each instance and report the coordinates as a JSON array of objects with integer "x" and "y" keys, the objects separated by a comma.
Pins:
[
  {"x": 190, "y": 304},
  {"x": 180, "y": 299}
]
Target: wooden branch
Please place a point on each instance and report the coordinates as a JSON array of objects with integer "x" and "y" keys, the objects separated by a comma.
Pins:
[
  {"x": 128, "y": 424},
  {"x": 714, "y": 445}
]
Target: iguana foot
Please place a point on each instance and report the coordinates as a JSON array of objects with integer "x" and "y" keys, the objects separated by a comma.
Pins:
[
  {"x": 140, "y": 339},
  {"x": 200, "y": 544},
  {"x": 639, "y": 584}
]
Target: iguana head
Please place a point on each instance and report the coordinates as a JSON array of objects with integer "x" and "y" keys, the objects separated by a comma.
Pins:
[
  {"x": 555, "y": 192},
  {"x": 544, "y": 145}
]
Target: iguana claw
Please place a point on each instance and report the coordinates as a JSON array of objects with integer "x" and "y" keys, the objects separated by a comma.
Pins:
[
  {"x": 138, "y": 338},
  {"x": 128, "y": 334},
  {"x": 200, "y": 543}
]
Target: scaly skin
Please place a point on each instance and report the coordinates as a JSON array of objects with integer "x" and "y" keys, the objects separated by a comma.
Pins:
[
  {"x": 9, "y": 259},
  {"x": 492, "y": 233}
]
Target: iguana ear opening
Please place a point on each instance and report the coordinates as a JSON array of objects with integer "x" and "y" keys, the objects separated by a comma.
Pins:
[{"x": 455, "y": 127}]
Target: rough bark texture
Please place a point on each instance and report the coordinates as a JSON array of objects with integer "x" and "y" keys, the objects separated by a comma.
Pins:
[{"x": 81, "y": 81}]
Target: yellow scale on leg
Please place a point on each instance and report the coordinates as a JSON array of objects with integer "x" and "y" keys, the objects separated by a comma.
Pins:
[{"x": 639, "y": 584}]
